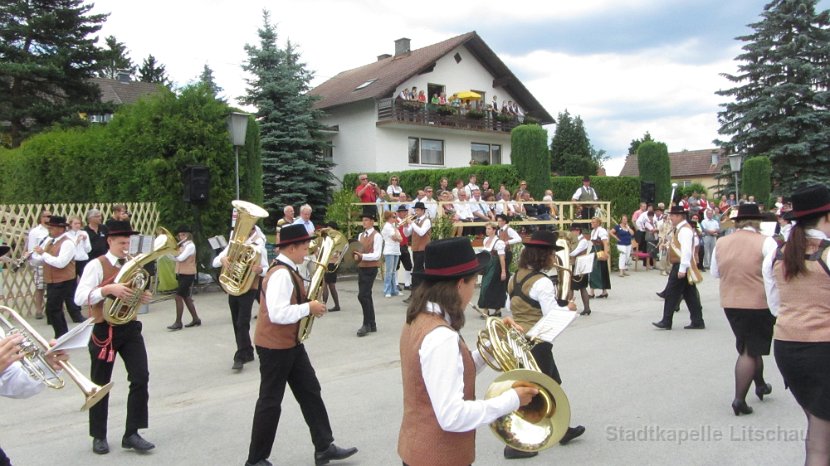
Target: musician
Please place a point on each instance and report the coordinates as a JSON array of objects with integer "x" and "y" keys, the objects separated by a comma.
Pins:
[
  {"x": 533, "y": 296},
  {"x": 678, "y": 287},
  {"x": 241, "y": 305},
  {"x": 57, "y": 255},
  {"x": 600, "y": 278},
  {"x": 509, "y": 236},
  {"x": 330, "y": 277},
  {"x": 36, "y": 237},
  {"x": 440, "y": 413},
  {"x": 420, "y": 230},
  {"x": 185, "y": 276},
  {"x": 368, "y": 262},
  {"x": 96, "y": 284},
  {"x": 282, "y": 359},
  {"x": 580, "y": 282},
  {"x": 586, "y": 194},
  {"x": 406, "y": 259}
]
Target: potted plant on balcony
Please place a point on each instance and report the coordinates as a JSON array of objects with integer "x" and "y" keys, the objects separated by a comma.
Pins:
[
  {"x": 475, "y": 114},
  {"x": 445, "y": 110}
]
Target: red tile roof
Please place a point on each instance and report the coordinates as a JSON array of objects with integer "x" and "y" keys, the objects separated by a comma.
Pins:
[
  {"x": 685, "y": 163},
  {"x": 387, "y": 74}
]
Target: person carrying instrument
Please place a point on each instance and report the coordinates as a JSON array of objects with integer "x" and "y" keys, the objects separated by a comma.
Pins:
[
  {"x": 532, "y": 296},
  {"x": 420, "y": 230},
  {"x": 36, "y": 237},
  {"x": 368, "y": 262},
  {"x": 241, "y": 305},
  {"x": 440, "y": 412},
  {"x": 580, "y": 282},
  {"x": 282, "y": 359},
  {"x": 185, "y": 276},
  {"x": 97, "y": 283}
]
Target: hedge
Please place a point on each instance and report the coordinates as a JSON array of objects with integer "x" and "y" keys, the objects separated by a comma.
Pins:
[
  {"x": 531, "y": 157},
  {"x": 622, "y": 191},
  {"x": 654, "y": 165},
  {"x": 756, "y": 176}
]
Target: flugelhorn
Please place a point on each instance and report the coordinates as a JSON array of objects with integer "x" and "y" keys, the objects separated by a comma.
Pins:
[
  {"x": 34, "y": 348},
  {"x": 405, "y": 220}
]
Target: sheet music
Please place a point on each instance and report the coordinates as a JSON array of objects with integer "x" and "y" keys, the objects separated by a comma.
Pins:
[
  {"x": 217, "y": 242},
  {"x": 140, "y": 244},
  {"x": 550, "y": 326},
  {"x": 584, "y": 264},
  {"x": 77, "y": 337}
]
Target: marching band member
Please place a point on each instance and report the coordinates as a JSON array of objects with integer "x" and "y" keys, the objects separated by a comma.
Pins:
[
  {"x": 420, "y": 230},
  {"x": 126, "y": 340},
  {"x": 185, "y": 275},
  {"x": 580, "y": 282},
  {"x": 36, "y": 237},
  {"x": 367, "y": 268}
]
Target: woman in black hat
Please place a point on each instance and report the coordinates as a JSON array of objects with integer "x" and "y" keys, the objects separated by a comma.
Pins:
[
  {"x": 440, "y": 411},
  {"x": 186, "y": 276},
  {"x": 801, "y": 295}
]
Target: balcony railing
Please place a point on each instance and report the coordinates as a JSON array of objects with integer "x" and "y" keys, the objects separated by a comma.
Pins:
[{"x": 418, "y": 113}]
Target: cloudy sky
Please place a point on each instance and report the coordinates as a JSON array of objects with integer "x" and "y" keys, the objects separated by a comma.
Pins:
[{"x": 626, "y": 67}]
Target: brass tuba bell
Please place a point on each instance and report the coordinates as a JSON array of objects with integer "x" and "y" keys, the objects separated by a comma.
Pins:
[
  {"x": 238, "y": 276},
  {"x": 332, "y": 248}
]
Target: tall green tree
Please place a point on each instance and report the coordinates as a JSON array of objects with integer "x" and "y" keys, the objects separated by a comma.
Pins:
[
  {"x": 571, "y": 151},
  {"x": 654, "y": 165},
  {"x": 294, "y": 169},
  {"x": 116, "y": 59},
  {"x": 530, "y": 155},
  {"x": 152, "y": 71},
  {"x": 47, "y": 55},
  {"x": 781, "y": 106},
  {"x": 756, "y": 178},
  {"x": 207, "y": 79},
  {"x": 635, "y": 143}
]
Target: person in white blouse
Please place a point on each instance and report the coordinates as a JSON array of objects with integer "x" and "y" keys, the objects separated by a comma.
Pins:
[
  {"x": 580, "y": 281},
  {"x": 36, "y": 237},
  {"x": 440, "y": 412},
  {"x": 185, "y": 276},
  {"x": 494, "y": 279},
  {"x": 241, "y": 305},
  {"x": 83, "y": 246},
  {"x": 391, "y": 253},
  {"x": 601, "y": 275}
]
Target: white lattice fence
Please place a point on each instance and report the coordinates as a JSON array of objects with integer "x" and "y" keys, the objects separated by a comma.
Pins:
[{"x": 17, "y": 287}]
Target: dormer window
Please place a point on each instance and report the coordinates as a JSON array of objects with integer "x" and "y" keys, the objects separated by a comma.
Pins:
[
  {"x": 715, "y": 158},
  {"x": 365, "y": 84}
]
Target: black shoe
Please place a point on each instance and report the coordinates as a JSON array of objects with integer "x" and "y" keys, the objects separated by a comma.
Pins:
[
  {"x": 137, "y": 443},
  {"x": 77, "y": 318},
  {"x": 247, "y": 359},
  {"x": 740, "y": 407},
  {"x": 363, "y": 330},
  {"x": 175, "y": 326},
  {"x": 604, "y": 295},
  {"x": 407, "y": 287},
  {"x": 762, "y": 390},
  {"x": 661, "y": 325},
  {"x": 373, "y": 328},
  {"x": 100, "y": 446},
  {"x": 334, "y": 309},
  {"x": 695, "y": 327},
  {"x": 237, "y": 365},
  {"x": 333, "y": 452},
  {"x": 194, "y": 323},
  {"x": 572, "y": 433},
  {"x": 513, "y": 454},
  {"x": 586, "y": 312},
  {"x": 661, "y": 294},
  {"x": 406, "y": 301},
  {"x": 259, "y": 463}
]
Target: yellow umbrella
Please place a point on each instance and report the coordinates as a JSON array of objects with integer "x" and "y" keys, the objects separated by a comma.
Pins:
[{"x": 468, "y": 95}]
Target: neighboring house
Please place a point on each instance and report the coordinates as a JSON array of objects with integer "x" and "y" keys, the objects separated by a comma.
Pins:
[
  {"x": 121, "y": 91},
  {"x": 371, "y": 129},
  {"x": 687, "y": 167}
]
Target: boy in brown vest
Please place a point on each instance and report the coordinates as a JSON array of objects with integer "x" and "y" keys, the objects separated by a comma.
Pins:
[
  {"x": 368, "y": 262},
  {"x": 420, "y": 229},
  {"x": 57, "y": 255},
  {"x": 283, "y": 359}
]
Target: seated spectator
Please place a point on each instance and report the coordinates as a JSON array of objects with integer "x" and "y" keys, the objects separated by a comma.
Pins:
[
  {"x": 481, "y": 211},
  {"x": 531, "y": 210},
  {"x": 459, "y": 186},
  {"x": 486, "y": 190},
  {"x": 518, "y": 207},
  {"x": 505, "y": 206}
]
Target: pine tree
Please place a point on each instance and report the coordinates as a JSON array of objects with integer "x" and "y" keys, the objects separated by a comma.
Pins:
[
  {"x": 47, "y": 55},
  {"x": 781, "y": 98},
  {"x": 116, "y": 59},
  {"x": 571, "y": 151},
  {"x": 635, "y": 143},
  {"x": 294, "y": 169},
  {"x": 153, "y": 72},
  {"x": 207, "y": 79}
]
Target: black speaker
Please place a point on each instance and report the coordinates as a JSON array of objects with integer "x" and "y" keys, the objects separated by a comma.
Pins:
[
  {"x": 196, "y": 183},
  {"x": 648, "y": 192}
]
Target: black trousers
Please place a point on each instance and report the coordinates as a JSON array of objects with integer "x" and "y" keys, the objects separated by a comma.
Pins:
[
  {"x": 417, "y": 266},
  {"x": 128, "y": 343},
  {"x": 4, "y": 460},
  {"x": 678, "y": 289},
  {"x": 543, "y": 354},
  {"x": 58, "y": 294},
  {"x": 276, "y": 368},
  {"x": 406, "y": 260},
  {"x": 241, "y": 319},
  {"x": 365, "y": 280},
  {"x": 587, "y": 213}
]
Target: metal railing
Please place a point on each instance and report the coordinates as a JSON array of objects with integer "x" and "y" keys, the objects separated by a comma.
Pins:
[{"x": 414, "y": 112}]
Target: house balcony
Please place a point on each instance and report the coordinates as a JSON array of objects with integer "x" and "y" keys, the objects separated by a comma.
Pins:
[{"x": 401, "y": 113}]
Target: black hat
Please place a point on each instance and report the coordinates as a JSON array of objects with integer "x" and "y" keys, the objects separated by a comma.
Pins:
[
  {"x": 402, "y": 208},
  {"x": 503, "y": 217},
  {"x": 4, "y": 249},
  {"x": 810, "y": 200},
  {"x": 56, "y": 221},
  {"x": 183, "y": 229},
  {"x": 677, "y": 209},
  {"x": 543, "y": 239},
  {"x": 586, "y": 178},
  {"x": 367, "y": 214},
  {"x": 748, "y": 212},
  {"x": 452, "y": 258},
  {"x": 294, "y": 234},
  {"x": 419, "y": 205},
  {"x": 579, "y": 227},
  {"x": 120, "y": 228}
]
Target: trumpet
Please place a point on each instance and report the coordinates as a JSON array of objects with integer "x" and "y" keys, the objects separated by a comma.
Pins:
[
  {"x": 408, "y": 219},
  {"x": 34, "y": 348}
]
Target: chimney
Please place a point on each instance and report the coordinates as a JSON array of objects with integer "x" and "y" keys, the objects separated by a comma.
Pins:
[
  {"x": 401, "y": 46},
  {"x": 123, "y": 76},
  {"x": 383, "y": 57}
]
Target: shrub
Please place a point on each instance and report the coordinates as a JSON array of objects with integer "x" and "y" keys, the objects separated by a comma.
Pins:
[
  {"x": 531, "y": 157},
  {"x": 757, "y": 172},
  {"x": 653, "y": 163},
  {"x": 622, "y": 191}
]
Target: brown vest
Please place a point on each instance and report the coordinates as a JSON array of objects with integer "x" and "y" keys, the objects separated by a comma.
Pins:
[
  {"x": 419, "y": 243},
  {"x": 525, "y": 313},
  {"x": 368, "y": 243},
  {"x": 278, "y": 336},
  {"x": 187, "y": 266},
  {"x": 422, "y": 441},
  {"x": 804, "y": 313},
  {"x": 739, "y": 257},
  {"x": 674, "y": 257},
  {"x": 96, "y": 311},
  {"x": 53, "y": 274}
]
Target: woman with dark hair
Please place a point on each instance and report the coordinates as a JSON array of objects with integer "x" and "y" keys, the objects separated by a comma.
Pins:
[
  {"x": 601, "y": 274},
  {"x": 440, "y": 412},
  {"x": 800, "y": 293},
  {"x": 186, "y": 276},
  {"x": 494, "y": 282},
  {"x": 580, "y": 282}
]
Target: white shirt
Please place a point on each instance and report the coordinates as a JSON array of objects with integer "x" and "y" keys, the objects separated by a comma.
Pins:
[
  {"x": 599, "y": 234},
  {"x": 63, "y": 257},
  {"x": 463, "y": 210},
  {"x": 278, "y": 296},
  {"x": 36, "y": 237},
  {"x": 644, "y": 223},
  {"x": 773, "y": 298},
  {"x": 583, "y": 246},
  {"x": 545, "y": 292},
  {"x": 512, "y": 236},
  {"x": 469, "y": 189},
  {"x": 480, "y": 206},
  {"x": 431, "y": 206},
  {"x": 82, "y": 247},
  {"x": 377, "y": 245},
  {"x": 422, "y": 230},
  {"x": 445, "y": 382},
  {"x": 88, "y": 292},
  {"x": 309, "y": 225},
  {"x": 259, "y": 244},
  {"x": 710, "y": 224},
  {"x": 582, "y": 189},
  {"x": 686, "y": 238},
  {"x": 188, "y": 249},
  {"x": 391, "y": 246},
  {"x": 494, "y": 244},
  {"x": 16, "y": 383},
  {"x": 767, "y": 249}
]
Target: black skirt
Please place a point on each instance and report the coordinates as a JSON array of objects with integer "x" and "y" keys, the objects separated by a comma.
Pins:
[
  {"x": 752, "y": 329},
  {"x": 804, "y": 369},
  {"x": 331, "y": 275},
  {"x": 185, "y": 284}
]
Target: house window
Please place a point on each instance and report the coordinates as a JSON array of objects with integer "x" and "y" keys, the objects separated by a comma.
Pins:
[
  {"x": 426, "y": 151},
  {"x": 685, "y": 183},
  {"x": 434, "y": 89},
  {"x": 365, "y": 84},
  {"x": 485, "y": 154},
  {"x": 328, "y": 153}
]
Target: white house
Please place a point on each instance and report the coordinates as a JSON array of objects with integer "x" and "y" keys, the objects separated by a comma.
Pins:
[{"x": 372, "y": 129}]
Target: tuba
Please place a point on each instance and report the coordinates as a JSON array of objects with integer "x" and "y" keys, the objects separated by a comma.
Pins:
[
  {"x": 133, "y": 275},
  {"x": 541, "y": 423},
  {"x": 564, "y": 272},
  {"x": 332, "y": 245},
  {"x": 34, "y": 348},
  {"x": 238, "y": 276}
]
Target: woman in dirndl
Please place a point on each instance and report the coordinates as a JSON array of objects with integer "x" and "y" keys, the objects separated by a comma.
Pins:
[
  {"x": 494, "y": 282},
  {"x": 601, "y": 274},
  {"x": 580, "y": 282}
]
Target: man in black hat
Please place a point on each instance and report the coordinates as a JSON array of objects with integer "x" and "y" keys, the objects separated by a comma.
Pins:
[
  {"x": 586, "y": 194},
  {"x": 97, "y": 283},
  {"x": 57, "y": 255},
  {"x": 678, "y": 287},
  {"x": 406, "y": 259},
  {"x": 368, "y": 261},
  {"x": 420, "y": 229},
  {"x": 283, "y": 359}
]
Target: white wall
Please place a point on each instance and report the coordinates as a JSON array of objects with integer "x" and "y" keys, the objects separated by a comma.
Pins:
[{"x": 355, "y": 143}]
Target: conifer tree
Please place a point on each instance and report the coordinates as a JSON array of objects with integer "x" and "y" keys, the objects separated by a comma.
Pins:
[
  {"x": 153, "y": 72},
  {"x": 571, "y": 151},
  {"x": 207, "y": 79},
  {"x": 116, "y": 59}
]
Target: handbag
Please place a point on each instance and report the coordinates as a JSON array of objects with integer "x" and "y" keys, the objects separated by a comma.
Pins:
[{"x": 602, "y": 256}]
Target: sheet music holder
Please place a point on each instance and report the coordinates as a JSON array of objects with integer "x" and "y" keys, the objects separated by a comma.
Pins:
[
  {"x": 550, "y": 326},
  {"x": 78, "y": 337},
  {"x": 217, "y": 242},
  {"x": 141, "y": 244}
]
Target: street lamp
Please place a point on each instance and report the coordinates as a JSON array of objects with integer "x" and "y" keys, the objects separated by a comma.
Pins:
[
  {"x": 735, "y": 161},
  {"x": 237, "y": 126}
]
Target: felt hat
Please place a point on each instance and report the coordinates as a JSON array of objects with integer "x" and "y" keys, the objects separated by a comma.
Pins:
[
  {"x": 452, "y": 258},
  {"x": 748, "y": 212},
  {"x": 586, "y": 178},
  {"x": 419, "y": 205},
  {"x": 183, "y": 229},
  {"x": 120, "y": 228},
  {"x": 543, "y": 239},
  {"x": 56, "y": 221},
  {"x": 294, "y": 234},
  {"x": 676, "y": 209},
  {"x": 402, "y": 208},
  {"x": 810, "y": 200},
  {"x": 368, "y": 214}
]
